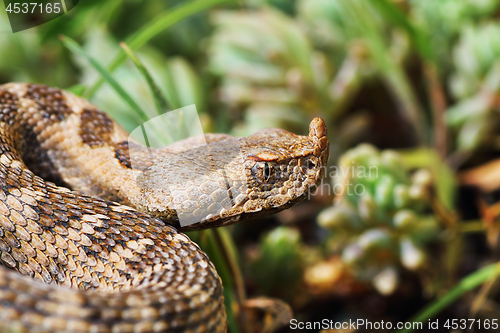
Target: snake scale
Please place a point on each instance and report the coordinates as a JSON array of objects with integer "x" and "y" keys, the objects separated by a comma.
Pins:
[{"x": 84, "y": 248}]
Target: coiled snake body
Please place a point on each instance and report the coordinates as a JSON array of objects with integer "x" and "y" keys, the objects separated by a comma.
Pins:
[{"x": 106, "y": 256}]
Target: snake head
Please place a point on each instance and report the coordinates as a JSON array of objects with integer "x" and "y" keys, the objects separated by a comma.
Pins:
[
  {"x": 282, "y": 167},
  {"x": 273, "y": 170}
]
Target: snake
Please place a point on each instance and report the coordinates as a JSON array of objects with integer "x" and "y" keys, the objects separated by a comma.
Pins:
[{"x": 91, "y": 239}]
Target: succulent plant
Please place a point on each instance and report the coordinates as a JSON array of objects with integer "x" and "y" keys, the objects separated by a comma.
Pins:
[
  {"x": 476, "y": 84},
  {"x": 443, "y": 20},
  {"x": 265, "y": 61},
  {"x": 380, "y": 220}
]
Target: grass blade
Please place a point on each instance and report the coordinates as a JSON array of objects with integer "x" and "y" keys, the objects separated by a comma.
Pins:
[
  {"x": 466, "y": 284},
  {"x": 228, "y": 247},
  {"x": 143, "y": 35},
  {"x": 160, "y": 101},
  {"x": 73, "y": 46}
]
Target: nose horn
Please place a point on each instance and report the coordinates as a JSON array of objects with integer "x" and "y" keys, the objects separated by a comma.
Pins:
[{"x": 317, "y": 132}]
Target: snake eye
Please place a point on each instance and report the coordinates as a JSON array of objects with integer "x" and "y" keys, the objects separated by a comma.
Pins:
[
  {"x": 267, "y": 171},
  {"x": 262, "y": 171}
]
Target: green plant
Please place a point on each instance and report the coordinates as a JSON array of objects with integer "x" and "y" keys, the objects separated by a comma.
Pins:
[
  {"x": 381, "y": 218},
  {"x": 475, "y": 84}
]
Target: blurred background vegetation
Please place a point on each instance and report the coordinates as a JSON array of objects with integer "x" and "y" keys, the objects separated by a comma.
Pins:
[{"x": 409, "y": 86}]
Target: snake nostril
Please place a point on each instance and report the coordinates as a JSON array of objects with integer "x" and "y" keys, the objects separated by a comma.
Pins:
[{"x": 310, "y": 165}]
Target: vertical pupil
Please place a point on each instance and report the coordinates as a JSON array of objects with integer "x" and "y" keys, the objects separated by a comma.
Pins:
[{"x": 267, "y": 171}]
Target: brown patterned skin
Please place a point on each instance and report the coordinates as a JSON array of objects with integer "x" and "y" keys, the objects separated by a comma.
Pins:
[{"x": 106, "y": 256}]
